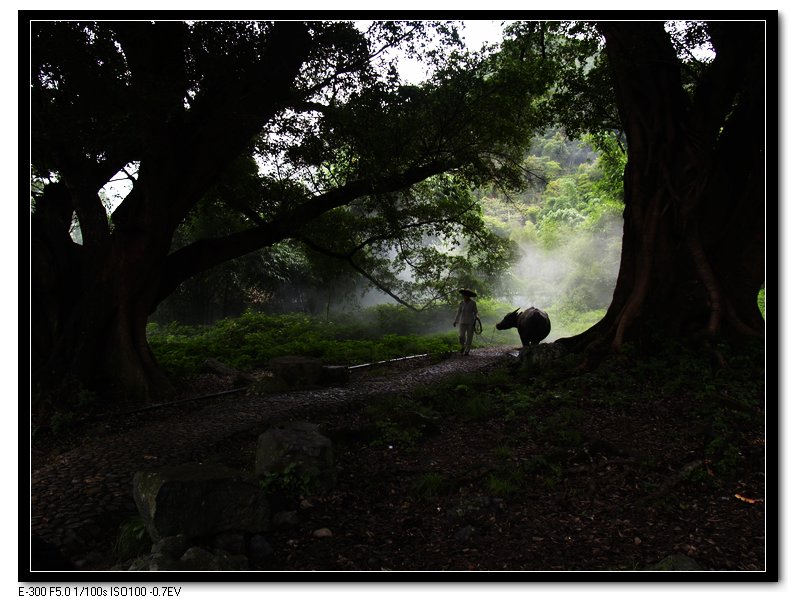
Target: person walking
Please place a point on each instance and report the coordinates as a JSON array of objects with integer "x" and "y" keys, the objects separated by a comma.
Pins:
[{"x": 465, "y": 319}]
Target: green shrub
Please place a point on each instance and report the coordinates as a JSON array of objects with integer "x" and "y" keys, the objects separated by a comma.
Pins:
[
  {"x": 476, "y": 407},
  {"x": 401, "y": 421},
  {"x": 251, "y": 340},
  {"x": 468, "y": 395},
  {"x": 505, "y": 483},
  {"x": 429, "y": 485},
  {"x": 504, "y": 452},
  {"x": 291, "y": 480},
  {"x": 132, "y": 539},
  {"x": 374, "y": 334},
  {"x": 63, "y": 422}
]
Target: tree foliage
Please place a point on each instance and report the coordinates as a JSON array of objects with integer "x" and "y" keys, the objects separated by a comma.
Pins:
[
  {"x": 341, "y": 145},
  {"x": 567, "y": 228},
  {"x": 289, "y": 145}
]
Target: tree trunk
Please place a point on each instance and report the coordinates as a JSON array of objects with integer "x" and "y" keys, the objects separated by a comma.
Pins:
[
  {"x": 112, "y": 354},
  {"x": 90, "y": 313},
  {"x": 692, "y": 249},
  {"x": 91, "y": 303}
]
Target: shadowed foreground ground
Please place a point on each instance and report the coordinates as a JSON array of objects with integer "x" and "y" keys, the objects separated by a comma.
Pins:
[{"x": 478, "y": 474}]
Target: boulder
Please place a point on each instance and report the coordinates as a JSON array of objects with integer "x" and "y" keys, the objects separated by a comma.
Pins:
[
  {"x": 197, "y": 499},
  {"x": 194, "y": 558},
  {"x": 157, "y": 561},
  {"x": 173, "y": 546},
  {"x": 213, "y": 366},
  {"x": 232, "y": 542},
  {"x": 200, "y": 559},
  {"x": 297, "y": 370},
  {"x": 260, "y": 550},
  {"x": 334, "y": 375},
  {"x": 227, "y": 551},
  {"x": 286, "y": 518},
  {"x": 269, "y": 384},
  {"x": 537, "y": 358},
  {"x": 299, "y": 453}
]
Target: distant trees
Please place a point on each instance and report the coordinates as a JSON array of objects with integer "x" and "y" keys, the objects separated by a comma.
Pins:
[
  {"x": 341, "y": 144},
  {"x": 567, "y": 227}
]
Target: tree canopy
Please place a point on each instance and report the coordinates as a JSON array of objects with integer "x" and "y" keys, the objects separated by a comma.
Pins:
[
  {"x": 243, "y": 136},
  {"x": 349, "y": 159}
]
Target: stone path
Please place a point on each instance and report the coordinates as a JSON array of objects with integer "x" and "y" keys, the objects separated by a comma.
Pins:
[{"x": 79, "y": 497}]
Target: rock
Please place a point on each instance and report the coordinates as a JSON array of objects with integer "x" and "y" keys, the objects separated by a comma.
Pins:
[
  {"x": 93, "y": 558},
  {"x": 286, "y": 518},
  {"x": 155, "y": 562},
  {"x": 173, "y": 545},
  {"x": 676, "y": 562},
  {"x": 260, "y": 549},
  {"x": 334, "y": 375},
  {"x": 199, "y": 559},
  {"x": 297, "y": 370},
  {"x": 213, "y": 366},
  {"x": 176, "y": 554},
  {"x": 298, "y": 455},
  {"x": 269, "y": 384},
  {"x": 232, "y": 542},
  {"x": 538, "y": 357},
  {"x": 197, "y": 500},
  {"x": 321, "y": 533}
]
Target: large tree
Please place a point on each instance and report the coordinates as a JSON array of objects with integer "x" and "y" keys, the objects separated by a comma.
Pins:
[
  {"x": 178, "y": 105},
  {"x": 692, "y": 261}
]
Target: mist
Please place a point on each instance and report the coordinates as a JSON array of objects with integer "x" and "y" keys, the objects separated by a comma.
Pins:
[{"x": 573, "y": 281}]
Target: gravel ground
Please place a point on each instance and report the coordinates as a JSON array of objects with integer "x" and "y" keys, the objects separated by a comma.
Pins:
[{"x": 81, "y": 490}]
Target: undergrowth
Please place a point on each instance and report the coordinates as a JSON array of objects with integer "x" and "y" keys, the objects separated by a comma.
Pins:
[
  {"x": 378, "y": 333},
  {"x": 552, "y": 409},
  {"x": 550, "y": 400},
  {"x": 250, "y": 341},
  {"x": 132, "y": 539}
]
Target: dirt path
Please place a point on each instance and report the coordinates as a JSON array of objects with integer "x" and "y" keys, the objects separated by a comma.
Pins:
[{"x": 80, "y": 496}]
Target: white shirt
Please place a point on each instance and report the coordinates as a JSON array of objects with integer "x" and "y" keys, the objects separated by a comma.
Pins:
[{"x": 468, "y": 311}]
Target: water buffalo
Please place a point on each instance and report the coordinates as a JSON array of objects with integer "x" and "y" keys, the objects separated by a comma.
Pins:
[{"x": 533, "y": 325}]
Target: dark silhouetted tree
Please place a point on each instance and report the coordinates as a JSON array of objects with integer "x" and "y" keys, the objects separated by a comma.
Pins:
[
  {"x": 692, "y": 260},
  {"x": 177, "y": 104}
]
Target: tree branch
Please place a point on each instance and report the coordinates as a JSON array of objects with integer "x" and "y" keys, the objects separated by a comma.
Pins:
[
  {"x": 204, "y": 254},
  {"x": 349, "y": 259}
]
